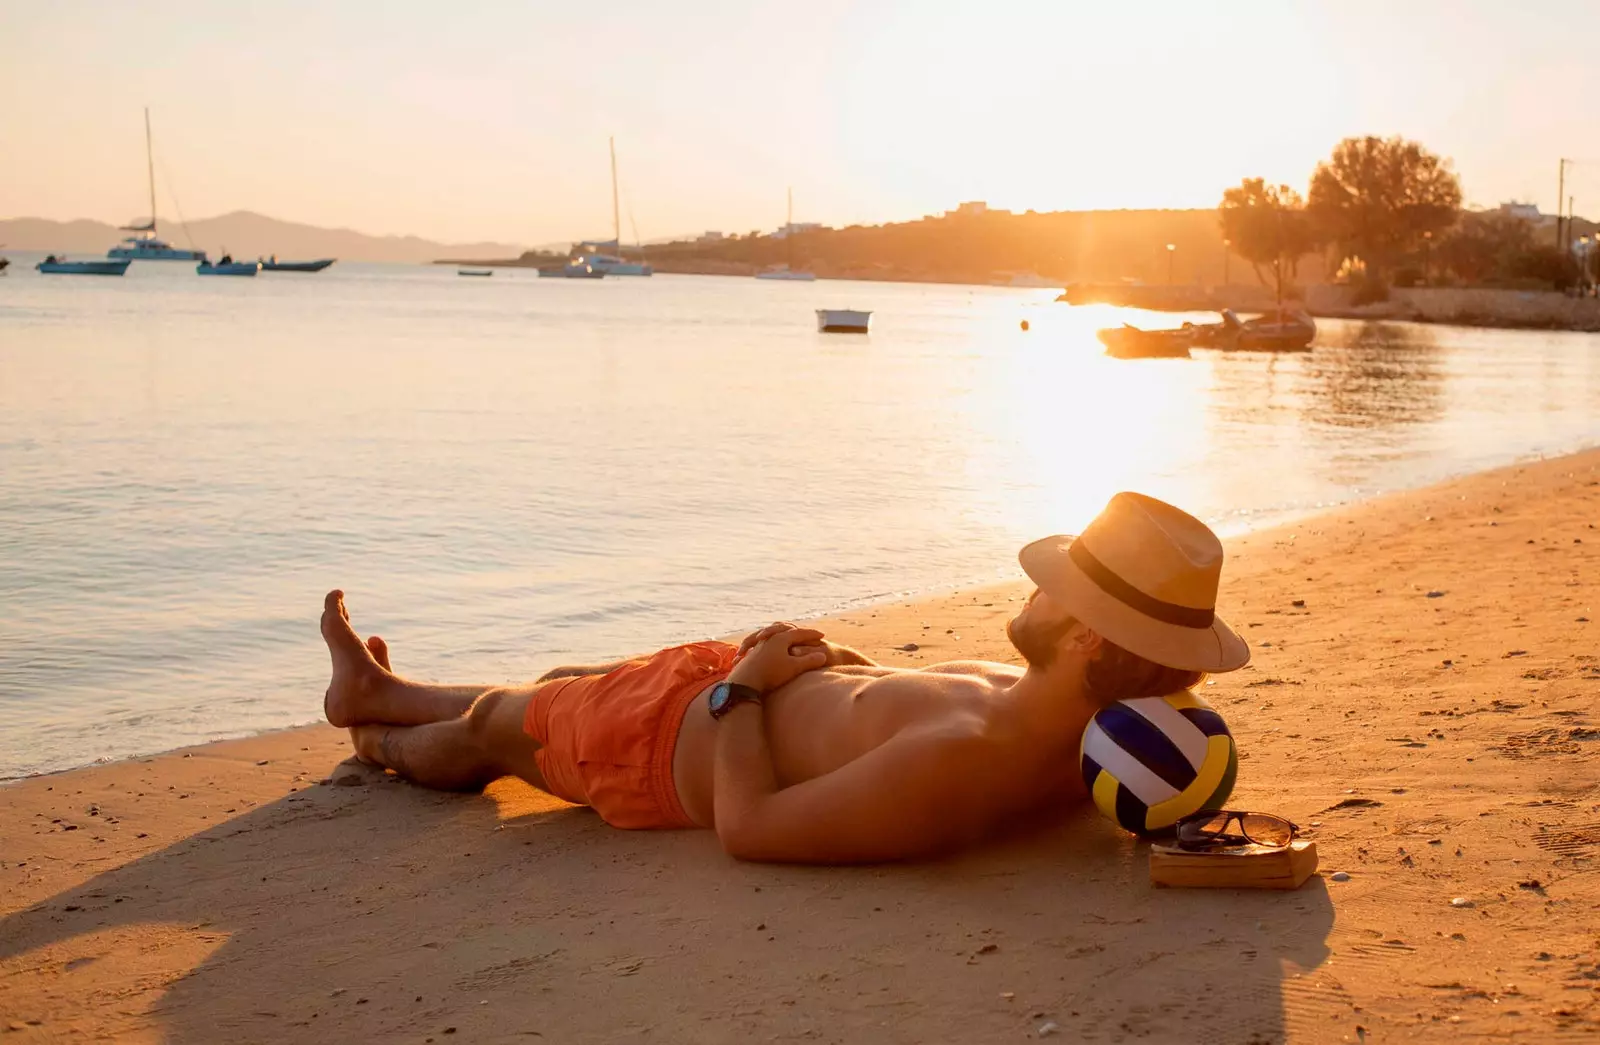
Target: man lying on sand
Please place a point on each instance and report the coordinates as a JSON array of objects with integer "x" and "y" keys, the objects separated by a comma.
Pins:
[{"x": 793, "y": 748}]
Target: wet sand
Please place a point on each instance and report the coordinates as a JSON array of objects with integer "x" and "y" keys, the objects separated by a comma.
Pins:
[{"x": 1422, "y": 699}]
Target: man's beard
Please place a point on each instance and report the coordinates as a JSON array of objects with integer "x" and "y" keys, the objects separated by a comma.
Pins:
[{"x": 1038, "y": 644}]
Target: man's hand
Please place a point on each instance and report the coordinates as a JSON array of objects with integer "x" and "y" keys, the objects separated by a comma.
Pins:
[
  {"x": 776, "y": 654},
  {"x": 837, "y": 654}
]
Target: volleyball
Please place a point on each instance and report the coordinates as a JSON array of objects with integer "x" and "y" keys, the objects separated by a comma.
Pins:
[{"x": 1150, "y": 761}]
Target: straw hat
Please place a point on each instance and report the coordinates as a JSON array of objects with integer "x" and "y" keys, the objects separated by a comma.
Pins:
[{"x": 1144, "y": 575}]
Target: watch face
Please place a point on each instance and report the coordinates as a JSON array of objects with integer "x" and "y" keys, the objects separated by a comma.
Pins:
[{"x": 721, "y": 697}]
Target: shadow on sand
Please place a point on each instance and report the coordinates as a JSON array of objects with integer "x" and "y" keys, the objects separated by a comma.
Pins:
[{"x": 387, "y": 912}]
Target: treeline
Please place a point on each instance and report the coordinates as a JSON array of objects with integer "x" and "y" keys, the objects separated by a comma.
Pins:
[
  {"x": 1386, "y": 211},
  {"x": 990, "y": 247},
  {"x": 1377, "y": 212}
]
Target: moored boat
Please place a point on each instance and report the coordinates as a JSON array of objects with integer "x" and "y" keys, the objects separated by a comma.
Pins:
[
  {"x": 842, "y": 320},
  {"x": 147, "y": 246},
  {"x": 1130, "y": 342},
  {"x": 474, "y": 272},
  {"x": 1288, "y": 331},
  {"x": 226, "y": 266},
  {"x": 60, "y": 266},
  {"x": 787, "y": 271},
  {"x": 575, "y": 269},
  {"x": 272, "y": 264}
]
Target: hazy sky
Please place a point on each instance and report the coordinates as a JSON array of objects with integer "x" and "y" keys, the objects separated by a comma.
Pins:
[{"x": 468, "y": 120}]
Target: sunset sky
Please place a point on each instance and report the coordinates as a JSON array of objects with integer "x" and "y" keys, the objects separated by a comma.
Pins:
[{"x": 475, "y": 121}]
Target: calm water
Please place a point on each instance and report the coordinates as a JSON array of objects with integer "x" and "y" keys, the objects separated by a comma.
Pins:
[{"x": 507, "y": 473}]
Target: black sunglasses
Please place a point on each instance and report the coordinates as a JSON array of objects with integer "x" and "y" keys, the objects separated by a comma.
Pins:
[{"x": 1210, "y": 829}]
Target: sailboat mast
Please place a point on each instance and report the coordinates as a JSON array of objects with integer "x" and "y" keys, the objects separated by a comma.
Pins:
[
  {"x": 150, "y": 166},
  {"x": 788, "y": 231},
  {"x": 616, "y": 213}
]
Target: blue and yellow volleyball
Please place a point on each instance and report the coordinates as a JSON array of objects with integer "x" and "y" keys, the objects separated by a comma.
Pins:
[{"x": 1150, "y": 761}]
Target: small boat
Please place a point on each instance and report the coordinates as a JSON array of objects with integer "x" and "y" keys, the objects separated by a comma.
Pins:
[
  {"x": 1130, "y": 342},
  {"x": 272, "y": 264},
  {"x": 4, "y": 264},
  {"x": 226, "y": 266},
  {"x": 97, "y": 267},
  {"x": 575, "y": 269},
  {"x": 785, "y": 272},
  {"x": 474, "y": 272},
  {"x": 1287, "y": 331},
  {"x": 842, "y": 320}
]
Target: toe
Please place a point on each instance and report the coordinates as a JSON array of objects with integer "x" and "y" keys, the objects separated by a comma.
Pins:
[
  {"x": 380, "y": 652},
  {"x": 336, "y": 630}
]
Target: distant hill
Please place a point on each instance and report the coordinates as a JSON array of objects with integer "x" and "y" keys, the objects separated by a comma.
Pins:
[{"x": 245, "y": 234}]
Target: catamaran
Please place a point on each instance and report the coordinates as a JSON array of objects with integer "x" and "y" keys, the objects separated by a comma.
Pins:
[
  {"x": 147, "y": 246},
  {"x": 591, "y": 253},
  {"x": 787, "y": 270}
]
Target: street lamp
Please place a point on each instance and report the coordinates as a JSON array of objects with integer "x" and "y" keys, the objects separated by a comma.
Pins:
[{"x": 1171, "y": 249}]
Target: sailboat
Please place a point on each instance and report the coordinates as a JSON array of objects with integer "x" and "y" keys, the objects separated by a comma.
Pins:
[
  {"x": 148, "y": 246},
  {"x": 591, "y": 253},
  {"x": 786, "y": 270}
]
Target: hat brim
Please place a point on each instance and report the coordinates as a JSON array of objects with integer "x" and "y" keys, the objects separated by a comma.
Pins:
[{"x": 1217, "y": 648}]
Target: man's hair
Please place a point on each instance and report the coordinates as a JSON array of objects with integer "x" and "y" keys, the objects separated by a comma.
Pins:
[{"x": 1117, "y": 674}]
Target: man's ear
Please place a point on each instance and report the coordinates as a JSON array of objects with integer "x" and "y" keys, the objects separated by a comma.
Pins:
[{"x": 1085, "y": 640}]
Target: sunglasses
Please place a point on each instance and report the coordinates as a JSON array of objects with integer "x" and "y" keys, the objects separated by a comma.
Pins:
[{"x": 1212, "y": 830}]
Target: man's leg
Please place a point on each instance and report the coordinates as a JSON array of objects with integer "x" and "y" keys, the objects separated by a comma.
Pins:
[
  {"x": 364, "y": 690},
  {"x": 464, "y": 753}
]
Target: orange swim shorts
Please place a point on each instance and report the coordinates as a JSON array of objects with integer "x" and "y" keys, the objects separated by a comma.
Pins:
[{"x": 606, "y": 741}]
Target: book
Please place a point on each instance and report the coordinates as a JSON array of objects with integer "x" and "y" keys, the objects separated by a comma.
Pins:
[{"x": 1236, "y": 867}]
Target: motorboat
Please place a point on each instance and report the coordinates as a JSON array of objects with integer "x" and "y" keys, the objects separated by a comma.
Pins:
[
  {"x": 226, "y": 266},
  {"x": 94, "y": 267},
  {"x": 1130, "y": 342},
  {"x": 272, "y": 264},
  {"x": 842, "y": 320},
  {"x": 1283, "y": 331},
  {"x": 474, "y": 272},
  {"x": 784, "y": 272},
  {"x": 147, "y": 245}
]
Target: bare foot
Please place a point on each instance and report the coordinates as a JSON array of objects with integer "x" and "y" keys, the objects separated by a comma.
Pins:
[{"x": 358, "y": 670}]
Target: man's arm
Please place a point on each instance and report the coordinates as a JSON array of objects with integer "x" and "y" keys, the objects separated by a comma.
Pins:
[{"x": 919, "y": 793}]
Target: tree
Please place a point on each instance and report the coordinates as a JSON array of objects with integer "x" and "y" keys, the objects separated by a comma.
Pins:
[
  {"x": 1375, "y": 197},
  {"x": 1485, "y": 245},
  {"x": 1267, "y": 225}
]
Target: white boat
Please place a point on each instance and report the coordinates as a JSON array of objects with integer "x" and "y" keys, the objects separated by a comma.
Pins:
[
  {"x": 148, "y": 246},
  {"x": 592, "y": 253},
  {"x": 842, "y": 320},
  {"x": 787, "y": 269}
]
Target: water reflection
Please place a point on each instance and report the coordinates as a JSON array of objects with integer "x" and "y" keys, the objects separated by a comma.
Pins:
[{"x": 1369, "y": 375}]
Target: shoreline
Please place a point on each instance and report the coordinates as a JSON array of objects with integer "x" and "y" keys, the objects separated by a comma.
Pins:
[
  {"x": 1286, "y": 517},
  {"x": 1422, "y": 701}
]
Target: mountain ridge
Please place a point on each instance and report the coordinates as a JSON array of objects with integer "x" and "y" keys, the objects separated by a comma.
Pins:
[{"x": 245, "y": 234}]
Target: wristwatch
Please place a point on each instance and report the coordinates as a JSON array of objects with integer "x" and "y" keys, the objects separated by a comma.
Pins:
[{"x": 725, "y": 696}]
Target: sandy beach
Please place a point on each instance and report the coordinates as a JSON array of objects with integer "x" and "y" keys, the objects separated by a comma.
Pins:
[{"x": 1422, "y": 701}]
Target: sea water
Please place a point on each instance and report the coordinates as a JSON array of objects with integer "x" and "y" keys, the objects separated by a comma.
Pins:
[{"x": 509, "y": 473}]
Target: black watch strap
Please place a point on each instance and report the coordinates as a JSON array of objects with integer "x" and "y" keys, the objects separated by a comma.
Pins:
[{"x": 726, "y": 696}]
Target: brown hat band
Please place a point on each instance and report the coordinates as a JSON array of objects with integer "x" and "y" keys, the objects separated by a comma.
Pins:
[{"x": 1123, "y": 592}]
